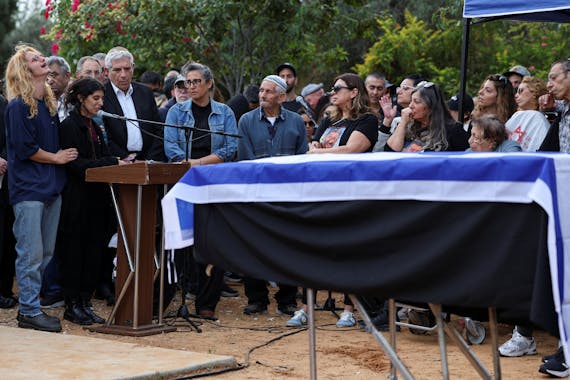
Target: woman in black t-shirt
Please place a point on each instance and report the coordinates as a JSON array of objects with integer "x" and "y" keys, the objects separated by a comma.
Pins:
[{"x": 351, "y": 127}]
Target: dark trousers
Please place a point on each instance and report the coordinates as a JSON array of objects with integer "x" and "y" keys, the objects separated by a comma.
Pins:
[
  {"x": 257, "y": 292},
  {"x": 209, "y": 287},
  {"x": 80, "y": 259}
]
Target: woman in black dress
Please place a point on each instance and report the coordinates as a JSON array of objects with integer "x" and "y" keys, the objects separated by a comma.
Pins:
[{"x": 83, "y": 233}]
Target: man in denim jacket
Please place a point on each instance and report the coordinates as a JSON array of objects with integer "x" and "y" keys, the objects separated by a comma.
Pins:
[{"x": 202, "y": 115}]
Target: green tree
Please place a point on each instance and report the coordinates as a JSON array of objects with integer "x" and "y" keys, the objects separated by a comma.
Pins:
[
  {"x": 242, "y": 41},
  {"x": 434, "y": 49},
  {"x": 8, "y": 13}
]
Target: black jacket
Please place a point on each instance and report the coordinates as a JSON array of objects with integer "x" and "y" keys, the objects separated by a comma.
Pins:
[{"x": 145, "y": 106}]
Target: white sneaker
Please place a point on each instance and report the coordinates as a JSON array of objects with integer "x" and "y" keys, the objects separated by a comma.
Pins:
[
  {"x": 298, "y": 319},
  {"x": 518, "y": 345},
  {"x": 346, "y": 319}
]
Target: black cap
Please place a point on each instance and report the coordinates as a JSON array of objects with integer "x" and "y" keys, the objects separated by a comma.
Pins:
[
  {"x": 453, "y": 103},
  {"x": 286, "y": 65}
]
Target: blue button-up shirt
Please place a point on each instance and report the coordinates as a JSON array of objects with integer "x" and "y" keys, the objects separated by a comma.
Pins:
[{"x": 290, "y": 136}]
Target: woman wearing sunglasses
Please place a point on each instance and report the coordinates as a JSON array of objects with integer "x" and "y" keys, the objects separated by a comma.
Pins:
[
  {"x": 528, "y": 126},
  {"x": 496, "y": 97},
  {"x": 427, "y": 125},
  {"x": 351, "y": 126}
]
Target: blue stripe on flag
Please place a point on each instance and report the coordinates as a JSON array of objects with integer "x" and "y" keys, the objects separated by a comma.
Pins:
[{"x": 521, "y": 169}]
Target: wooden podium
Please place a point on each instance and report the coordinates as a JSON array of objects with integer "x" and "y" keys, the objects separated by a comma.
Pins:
[{"x": 134, "y": 190}]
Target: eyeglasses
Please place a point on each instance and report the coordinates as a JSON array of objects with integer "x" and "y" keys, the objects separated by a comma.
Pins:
[
  {"x": 403, "y": 87},
  {"x": 338, "y": 88},
  {"x": 478, "y": 140},
  {"x": 309, "y": 123},
  {"x": 193, "y": 82}
]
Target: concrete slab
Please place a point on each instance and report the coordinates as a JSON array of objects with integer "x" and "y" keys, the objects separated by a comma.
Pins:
[{"x": 29, "y": 354}]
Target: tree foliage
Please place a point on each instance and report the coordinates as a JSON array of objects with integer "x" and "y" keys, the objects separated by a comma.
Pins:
[
  {"x": 8, "y": 13},
  {"x": 244, "y": 40},
  {"x": 241, "y": 40},
  {"x": 434, "y": 49}
]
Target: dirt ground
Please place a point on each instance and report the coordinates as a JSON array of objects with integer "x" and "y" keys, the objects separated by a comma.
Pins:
[{"x": 283, "y": 353}]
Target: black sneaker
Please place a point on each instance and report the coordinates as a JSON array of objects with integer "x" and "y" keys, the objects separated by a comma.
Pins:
[
  {"x": 51, "y": 302},
  {"x": 42, "y": 322},
  {"x": 380, "y": 322},
  {"x": 554, "y": 367},
  {"x": 255, "y": 308},
  {"x": 232, "y": 277},
  {"x": 227, "y": 291},
  {"x": 7, "y": 302},
  {"x": 546, "y": 358},
  {"x": 289, "y": 309}
]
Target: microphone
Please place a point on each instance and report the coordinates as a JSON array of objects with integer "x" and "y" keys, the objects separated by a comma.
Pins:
[
  {"x": 302, "y": 102},
  {"x": 102, "y": 114}
]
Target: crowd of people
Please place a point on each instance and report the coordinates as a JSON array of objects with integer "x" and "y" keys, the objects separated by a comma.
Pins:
[{"x": 55, "y": 227}]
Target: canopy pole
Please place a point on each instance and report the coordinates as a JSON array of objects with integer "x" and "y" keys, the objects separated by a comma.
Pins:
[{"x": 464, "y": 55}]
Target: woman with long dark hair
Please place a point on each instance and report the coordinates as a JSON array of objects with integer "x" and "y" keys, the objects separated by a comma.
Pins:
[
  {"x": 427, "y": 125},
  {"x": 83, "y": 233}
]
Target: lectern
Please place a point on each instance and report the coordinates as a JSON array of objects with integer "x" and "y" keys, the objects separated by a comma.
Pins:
[{"x": 134, "y": 190}]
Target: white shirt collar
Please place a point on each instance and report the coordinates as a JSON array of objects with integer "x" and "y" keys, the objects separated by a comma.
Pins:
[{"x": 117, "y": 90}]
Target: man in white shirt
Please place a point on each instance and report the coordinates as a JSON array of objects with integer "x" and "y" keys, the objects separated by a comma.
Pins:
[{"x": 142, "y": 141}]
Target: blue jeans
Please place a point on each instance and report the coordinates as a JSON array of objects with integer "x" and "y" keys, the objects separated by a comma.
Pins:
[{"x": 35, "y": 229}]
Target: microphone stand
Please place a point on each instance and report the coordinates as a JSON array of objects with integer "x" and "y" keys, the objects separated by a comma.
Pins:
[
  {"x": 120, "y": 117},
  {"x": 187, "y": 137}
]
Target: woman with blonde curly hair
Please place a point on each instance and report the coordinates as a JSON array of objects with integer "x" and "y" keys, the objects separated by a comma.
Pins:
[
  {"x": 351, "y": 126},
  {"x": 35, "y": 177},
  {"x": 528, "y": 126}
]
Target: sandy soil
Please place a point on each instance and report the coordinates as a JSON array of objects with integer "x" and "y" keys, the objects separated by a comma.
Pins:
[{"x": 284, "y": 352}]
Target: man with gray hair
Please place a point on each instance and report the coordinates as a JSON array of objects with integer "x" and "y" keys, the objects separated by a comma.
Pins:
[
  {"x": 58, "y": 79},
  {"x": 100, "y": 57},
  {"x": 270, "y": 130},
  {"x": 89, "y": 67},
  {"x": 129, "y": 138}
]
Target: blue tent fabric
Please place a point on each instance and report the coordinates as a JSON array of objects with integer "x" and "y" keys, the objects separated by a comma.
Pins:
[{"x": 522, "y": 10}]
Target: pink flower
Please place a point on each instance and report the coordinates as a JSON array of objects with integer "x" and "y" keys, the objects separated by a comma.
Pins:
[
  {"x": 543, "y": 44},
  {"x": 134, "y": 35},
  {"x": 59, "y": 34},
  {"x": 48, "y": 2},
  {"x": 43, "y": 30},
  {"x": 46, "y": 13},
  {"x": 54, "y": 49},
  {"x": 75, "y": 5},
  {"x": 531, "y": 68}
]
